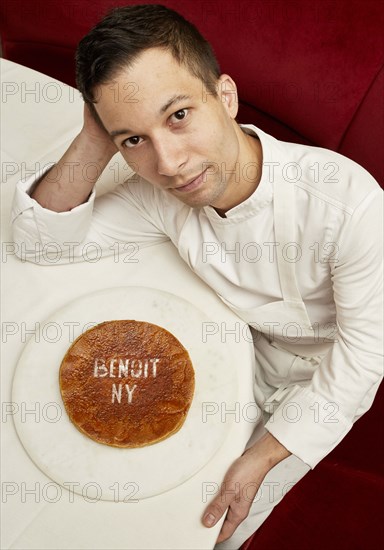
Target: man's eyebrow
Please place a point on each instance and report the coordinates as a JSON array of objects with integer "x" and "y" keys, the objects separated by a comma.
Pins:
[
  {"x": 174, "y": 99},
  {"x": 115, "y": 133}
]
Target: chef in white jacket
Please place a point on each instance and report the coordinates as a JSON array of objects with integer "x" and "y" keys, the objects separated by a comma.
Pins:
[{"x": 289, "y": 236}]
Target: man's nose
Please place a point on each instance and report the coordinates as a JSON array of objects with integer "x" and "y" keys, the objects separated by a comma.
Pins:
[{"x": 171, "y": 155}]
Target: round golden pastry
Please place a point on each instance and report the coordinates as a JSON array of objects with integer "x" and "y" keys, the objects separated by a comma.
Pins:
[{"x": 127, "y": 383}]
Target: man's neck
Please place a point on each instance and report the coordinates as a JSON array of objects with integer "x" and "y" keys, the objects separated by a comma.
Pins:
[{"x": 251, "y": 161}]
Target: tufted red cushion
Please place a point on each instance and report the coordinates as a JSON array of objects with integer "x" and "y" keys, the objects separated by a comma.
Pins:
[{"x": 309, "y": 72}]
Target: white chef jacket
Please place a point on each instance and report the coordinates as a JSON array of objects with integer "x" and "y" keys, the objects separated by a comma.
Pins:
[{"x": 300, "y": 261}]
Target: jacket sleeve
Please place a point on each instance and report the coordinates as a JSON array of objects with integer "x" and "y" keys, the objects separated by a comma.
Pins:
[
  {"x": 344, "y": 385},
  {"x": 119, "y": 222}
]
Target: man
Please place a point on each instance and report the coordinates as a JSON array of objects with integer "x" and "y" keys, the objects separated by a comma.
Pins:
[{"x": 309, "y": 284}]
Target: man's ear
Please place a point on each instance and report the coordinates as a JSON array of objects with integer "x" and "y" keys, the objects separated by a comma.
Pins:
[{"x": 227, "y": 92}]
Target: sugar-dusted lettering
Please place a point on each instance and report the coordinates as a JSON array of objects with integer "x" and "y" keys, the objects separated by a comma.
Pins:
[
  {"x": 125, "y": 367},
  {"x": 100, "y": 365},
  {"x": 117, "y": 390}
]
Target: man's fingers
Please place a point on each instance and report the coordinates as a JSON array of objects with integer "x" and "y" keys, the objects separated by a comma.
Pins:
[
  {"x": 214, "y": 512},
  {"x": 227, "y": 530},
  {"x": 235, "y": 497},
  {"x": 229, "y": 493},
  {"x": 235, "y": 515}
]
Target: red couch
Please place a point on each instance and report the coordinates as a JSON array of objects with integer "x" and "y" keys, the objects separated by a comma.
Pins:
[{"x": 308, "y": 72}]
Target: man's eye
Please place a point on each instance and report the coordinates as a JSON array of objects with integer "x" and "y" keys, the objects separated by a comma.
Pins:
[
  {"x": 180, "y": 115},
  {"x": 131, "y": 141}
]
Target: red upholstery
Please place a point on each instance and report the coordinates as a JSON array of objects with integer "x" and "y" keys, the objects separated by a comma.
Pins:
[{"x": 309, "y": 72}]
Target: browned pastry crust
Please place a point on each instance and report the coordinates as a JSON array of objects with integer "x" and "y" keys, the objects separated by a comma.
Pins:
[{"x": 121, "y": 361}]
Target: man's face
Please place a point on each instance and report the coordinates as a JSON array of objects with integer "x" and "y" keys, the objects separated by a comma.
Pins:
[{"x": 171, "y": 131}]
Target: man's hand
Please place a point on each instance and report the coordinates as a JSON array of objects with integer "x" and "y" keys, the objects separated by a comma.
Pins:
[
  {"x": 241, "y": 484},
  {"x": 95, "y": 133},
  {"x": 71, "y": 180}
]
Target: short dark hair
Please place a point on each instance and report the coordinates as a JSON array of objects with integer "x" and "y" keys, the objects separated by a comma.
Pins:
[{"x": 118, "y": 39}]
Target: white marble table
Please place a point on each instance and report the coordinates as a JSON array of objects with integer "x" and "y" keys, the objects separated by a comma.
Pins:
[{"x": 40, "y": 116}]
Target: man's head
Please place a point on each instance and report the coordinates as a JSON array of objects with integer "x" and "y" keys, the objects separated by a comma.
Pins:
[
  {"x": 155, "y": 86},
  {"x": 119, "y": 39}
]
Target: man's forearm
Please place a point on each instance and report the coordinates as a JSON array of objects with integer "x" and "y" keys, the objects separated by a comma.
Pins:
[{"x": 71, "y": 180}]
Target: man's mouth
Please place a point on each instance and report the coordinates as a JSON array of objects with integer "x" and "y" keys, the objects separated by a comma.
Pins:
[{"x": 191, "y": 185}]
